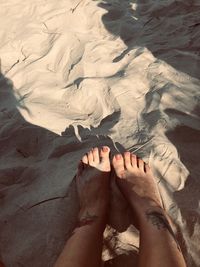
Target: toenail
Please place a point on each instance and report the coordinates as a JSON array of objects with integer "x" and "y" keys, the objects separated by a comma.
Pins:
[
  {"x": 105, "y": 149},
  {"x": 118, "y": 156}
]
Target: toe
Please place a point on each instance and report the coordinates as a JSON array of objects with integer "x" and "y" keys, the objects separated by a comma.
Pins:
[
  {"x": 118, "y": 164},
  {"x": 133, "y": 160},
  {"x": 85, "y": 159},
  {"x": 141, "y": 164},
  {"x": 104, "y": 153},
  {"x": 127, "y": 160},
  {"x": 96, "y": 155},
  {"x": 90, "y": 157}
]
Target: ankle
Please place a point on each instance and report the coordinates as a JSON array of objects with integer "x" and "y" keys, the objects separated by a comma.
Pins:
[
  {"x": 145, "y": 204},
  {"x": 88, "y": 218},
  {"x": 94, "y": 214}
]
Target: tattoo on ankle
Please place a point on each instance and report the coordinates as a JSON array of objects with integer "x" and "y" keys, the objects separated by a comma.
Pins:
[
  {"x": 86, "y": 220},
  {"x": 160, "y": 221}
]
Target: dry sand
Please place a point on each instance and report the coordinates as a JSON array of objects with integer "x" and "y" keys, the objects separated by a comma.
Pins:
[{"x": 76, "y": 74}]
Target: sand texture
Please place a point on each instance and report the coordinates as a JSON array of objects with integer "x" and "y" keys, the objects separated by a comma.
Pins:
[{"x": 81, "y": 73}]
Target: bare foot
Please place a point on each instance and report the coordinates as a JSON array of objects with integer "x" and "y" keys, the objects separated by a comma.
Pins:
[
  {"x": 93, "y": 183},
  {"x": 136, "y": 182}
]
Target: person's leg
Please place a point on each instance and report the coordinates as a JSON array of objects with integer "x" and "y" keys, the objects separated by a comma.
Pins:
[
  {"x": 84, "y": 247},
  {"x": 158, "y": 244}
]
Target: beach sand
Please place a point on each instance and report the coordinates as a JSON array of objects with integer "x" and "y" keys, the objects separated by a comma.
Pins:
[{"x": 79, "y": 74}]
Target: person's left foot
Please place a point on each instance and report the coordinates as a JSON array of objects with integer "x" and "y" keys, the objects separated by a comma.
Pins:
[{"x": 92, "y": 181}]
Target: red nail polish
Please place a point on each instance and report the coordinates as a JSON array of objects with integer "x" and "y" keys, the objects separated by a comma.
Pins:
[
  {"x": 105, "y": 149},
  {"x": 118, "y": 156}
]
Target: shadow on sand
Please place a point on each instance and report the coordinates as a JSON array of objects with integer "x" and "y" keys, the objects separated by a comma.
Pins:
[
  {"x": 187, "y": 142},
  {"x": 38, "y": 198},
  {"x": 169, "y": 29}
]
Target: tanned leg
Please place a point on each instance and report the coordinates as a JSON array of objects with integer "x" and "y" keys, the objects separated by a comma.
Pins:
[
  {"x": 84, "y": 247},
  {"x": 158, "y": 244}
]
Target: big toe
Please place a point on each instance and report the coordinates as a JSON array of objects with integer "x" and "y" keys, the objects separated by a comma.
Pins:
[
  {"x": 104, "y": 158},
  {"x": 118, "y": 164}
]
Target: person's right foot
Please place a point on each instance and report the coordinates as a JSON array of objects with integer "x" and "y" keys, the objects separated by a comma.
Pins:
[{"x": 136, "y": 182}]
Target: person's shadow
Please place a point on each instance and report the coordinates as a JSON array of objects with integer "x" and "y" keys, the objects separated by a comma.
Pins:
[
  {"x": 38, "y": 198},
  {"x": 167, "y": 29}
]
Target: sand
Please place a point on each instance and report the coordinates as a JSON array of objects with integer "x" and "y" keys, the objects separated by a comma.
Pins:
[{"x": 78, "y": 74}]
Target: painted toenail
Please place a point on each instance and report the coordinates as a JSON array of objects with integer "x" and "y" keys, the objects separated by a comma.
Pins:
[
  {"x": 118, "y": 156},
  {"x": 105, "y": 149}
]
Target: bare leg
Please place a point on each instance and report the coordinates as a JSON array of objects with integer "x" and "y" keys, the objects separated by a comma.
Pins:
[
  {"x": 84, "y": 247},
  {"x": 158, "y": 244}
]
